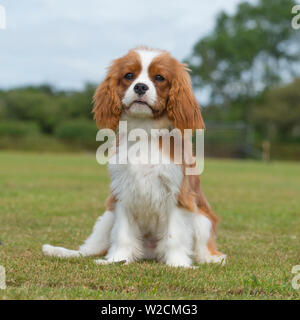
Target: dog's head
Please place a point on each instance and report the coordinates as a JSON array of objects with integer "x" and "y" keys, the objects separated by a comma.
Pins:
[{"x": 147, "y": 83}]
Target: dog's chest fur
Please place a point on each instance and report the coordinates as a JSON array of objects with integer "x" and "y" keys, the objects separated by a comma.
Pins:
[{"x": 147, "y": 191}]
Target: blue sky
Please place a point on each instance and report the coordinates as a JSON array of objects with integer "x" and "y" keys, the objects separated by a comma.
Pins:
[{"x": 67, "y": 43}]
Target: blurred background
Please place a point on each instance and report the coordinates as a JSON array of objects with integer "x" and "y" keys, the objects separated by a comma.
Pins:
[{"x": 244, "y": 58}]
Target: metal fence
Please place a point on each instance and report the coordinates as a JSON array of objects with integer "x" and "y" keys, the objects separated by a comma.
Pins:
[{"x": 230, "y": 140}]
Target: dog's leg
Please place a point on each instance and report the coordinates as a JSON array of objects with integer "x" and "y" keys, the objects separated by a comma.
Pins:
[
  {"x": 125, "y": 244},
  {"x": 96, "y": 244},
  {"x": 176, "y": 247},
  {"x": 205, "y": 250}
]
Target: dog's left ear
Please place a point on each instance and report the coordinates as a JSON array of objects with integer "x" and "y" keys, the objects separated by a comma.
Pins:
[
  {"x": 182, "y": 105},
  {"x": 107, "y": 104}
]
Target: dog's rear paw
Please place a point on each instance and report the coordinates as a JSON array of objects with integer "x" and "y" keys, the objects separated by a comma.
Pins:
[
  {"x": 221, "y": 259},
  {"x": 60, "y": 252},
  {"x": 213, "y": 258},
  {"x": 103, "y": 261},
  {"x": 48, "y": 250}
]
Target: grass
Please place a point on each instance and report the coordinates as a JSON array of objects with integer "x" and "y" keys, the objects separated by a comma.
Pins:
[{"x": 56, "y": 199}]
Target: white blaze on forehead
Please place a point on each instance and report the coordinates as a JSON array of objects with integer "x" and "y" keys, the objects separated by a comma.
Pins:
[{"x": 146, "y": 57}]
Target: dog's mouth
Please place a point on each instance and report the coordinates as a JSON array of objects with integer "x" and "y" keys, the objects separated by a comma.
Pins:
[
  {"x": 141, "y": 102},
  {"x": 140, "y": 108}
]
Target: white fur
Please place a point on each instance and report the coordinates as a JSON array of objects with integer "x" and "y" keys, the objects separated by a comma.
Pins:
[
  {"x": 98, "y": 241},
  {"x": 60, "y": 252}
]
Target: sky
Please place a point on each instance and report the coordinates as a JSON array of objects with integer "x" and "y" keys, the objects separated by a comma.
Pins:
[{"x": 67, "y": 43}]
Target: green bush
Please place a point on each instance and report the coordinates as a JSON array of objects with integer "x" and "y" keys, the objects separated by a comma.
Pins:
[
  {"x": 77, "y": 131},
  {"x": 18, "y": 129}
]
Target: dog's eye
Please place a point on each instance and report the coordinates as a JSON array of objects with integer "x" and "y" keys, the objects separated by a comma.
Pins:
[
  {"x": 158, "y": 77},
  {"x": 129, "y": 76}
]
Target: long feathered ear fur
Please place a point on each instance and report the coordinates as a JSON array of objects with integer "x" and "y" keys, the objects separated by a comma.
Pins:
[
  {"x": 107, "y": 105},
  {"x": 182, "y": 106}
]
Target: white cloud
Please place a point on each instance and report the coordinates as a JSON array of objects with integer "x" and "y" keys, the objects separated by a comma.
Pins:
[{"x": 66, "y": 42}]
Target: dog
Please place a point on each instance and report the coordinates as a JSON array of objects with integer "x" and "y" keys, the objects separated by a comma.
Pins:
[{"x": 154, "y": 211}]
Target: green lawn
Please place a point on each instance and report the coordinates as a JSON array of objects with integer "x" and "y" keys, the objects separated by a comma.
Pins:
[{"x": 56, "y": 199}]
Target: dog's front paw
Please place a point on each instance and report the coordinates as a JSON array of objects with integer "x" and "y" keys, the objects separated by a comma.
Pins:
[{"x": 178, "y": 260}]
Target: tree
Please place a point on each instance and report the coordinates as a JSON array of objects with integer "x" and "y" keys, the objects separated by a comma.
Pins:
[
  {"x": 278, "y": 113},
  {"x": 247, "y": 52},
  {"x": 45, "y": 105},
  {"x": 32, "y": 104}
]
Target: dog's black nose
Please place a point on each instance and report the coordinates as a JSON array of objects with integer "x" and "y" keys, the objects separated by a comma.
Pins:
[{"x": 140, "y": 88}]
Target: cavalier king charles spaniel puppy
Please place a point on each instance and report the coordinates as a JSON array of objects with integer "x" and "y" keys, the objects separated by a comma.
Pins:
[{"x": 154, "y": 211}]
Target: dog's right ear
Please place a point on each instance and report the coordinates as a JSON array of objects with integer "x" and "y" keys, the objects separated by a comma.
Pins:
[{"x": 107, "y": 104}]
